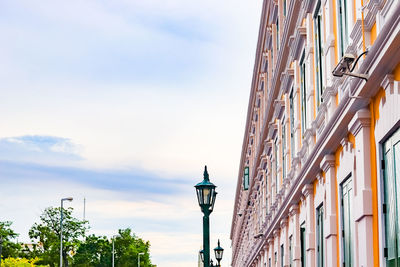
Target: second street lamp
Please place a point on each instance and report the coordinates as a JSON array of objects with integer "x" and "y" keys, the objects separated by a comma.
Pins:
[
  {"x": 206, "y": 197},
  {"x": 219, "y": 251}
]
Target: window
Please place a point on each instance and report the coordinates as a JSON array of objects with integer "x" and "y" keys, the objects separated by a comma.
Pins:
[
  {"x": 283, "y": 149},
  {"x": 277, "y": 33},
  {"x": 347, "y": 203},
  {"x": 303, "y": 244},
  {"x": 320, "y": 236},
  {"x": 290, "y": 251},
  {"x": 276, "y": 163},
  {"x": 269, "y": 262},
  {"x": 303, "y": 93},
  {"x": 282, "y": 255},
  {"x": 284, "y": 8},
  {"x": 391, "y": 168},
  {"x": 343, "y": 26},
  {"x": 291, "y": 105},
  {"x": 246, "y": 180},
  {"x": 276, "y": 258},
  {"x": 318, "y": 31}
]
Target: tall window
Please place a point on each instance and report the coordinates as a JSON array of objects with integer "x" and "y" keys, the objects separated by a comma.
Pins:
[
  {"x": 343, "y": 25},
  {"x": 290, "y": 251},
  {"x": 318, "y": 31},
  {"x": 282, "y": 255},
  {"x": 269, "y": 262},
  {"x": 303, "y": 244},
  {"x": 284, "y": 7},
  {"x": 320, "y": 236},
  {"x": 277, "y": 33},
  {"x": 346, "y": 207},
  {"x": 391, "y": 167},
  {"x": 276, "y": 164},
  {"x": 283, "y": 148},
  {"x": 303, "y": 93},
  {"x": 291, "y": 105}
]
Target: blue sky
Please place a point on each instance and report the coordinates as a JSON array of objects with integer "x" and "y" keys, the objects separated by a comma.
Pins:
[{"x": 123, "y": 103}]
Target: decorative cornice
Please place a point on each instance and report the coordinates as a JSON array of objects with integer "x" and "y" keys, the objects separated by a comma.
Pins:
[
  {"x": 276, "y": 233},
  {"x": 284, "y": 223},
  {"x": 294, "y": 209},
  {"x": 327, "y": 162},
  {"x": 307, "y": 190},
  {"x": 360, "y": 120},
  {"x": 298, "y": 41}
]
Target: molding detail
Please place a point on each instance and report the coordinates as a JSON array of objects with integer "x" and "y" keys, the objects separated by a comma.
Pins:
[
  {"x": 298, "y": 41},
  {"x": 327, "y": 162},
  {"x": 307, "y": 190},
  {"x": 360, "y": 120}
]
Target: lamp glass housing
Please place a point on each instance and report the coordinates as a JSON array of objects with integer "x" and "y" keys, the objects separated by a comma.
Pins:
[
  {"x": 201, "y": 252},
  {"x": 206, "y": 194},
  {"x": 219, "y": 251}
]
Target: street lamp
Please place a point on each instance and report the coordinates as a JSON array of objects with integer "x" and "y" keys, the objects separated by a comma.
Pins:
[
  {"x": 201, "y": 252},
  {"x": 206, "y": 197},
  {"x": 138, "y": 260},
  {"x": 219, "y": 251},
  {"x": 61, "y": 230},
  {"x": 113, "y": 250}
]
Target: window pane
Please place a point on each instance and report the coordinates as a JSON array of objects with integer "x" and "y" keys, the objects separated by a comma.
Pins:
[{"x": 347, "y": 202}]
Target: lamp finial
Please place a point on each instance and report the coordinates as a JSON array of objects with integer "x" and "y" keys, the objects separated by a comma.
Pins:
[{"x": 205, "y": 175}]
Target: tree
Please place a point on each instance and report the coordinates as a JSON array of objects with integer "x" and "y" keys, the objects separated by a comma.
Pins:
[
  {"x": 7, "y": 247},
  {"x": 47, "y": 233},
  {"x": 128, "y": 246},
  {"x": 94, "y": 251}
]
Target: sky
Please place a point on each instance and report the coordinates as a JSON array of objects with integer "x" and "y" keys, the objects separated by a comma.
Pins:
[{"x": 122, "y": 103}]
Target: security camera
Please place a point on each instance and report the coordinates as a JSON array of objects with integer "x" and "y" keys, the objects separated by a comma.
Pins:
[{"x": 345, "y": 67}]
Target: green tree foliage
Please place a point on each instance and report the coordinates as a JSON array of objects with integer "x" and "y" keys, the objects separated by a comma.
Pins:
[
  {"x": 128, "y": 246},
  {"x": 78, "y": 249},
  {"x": 21, "y": 262},
  {"x": 7, "y": 247},
  {"x": 95, "y": 251},
  {"x": 47, "y": 233}
]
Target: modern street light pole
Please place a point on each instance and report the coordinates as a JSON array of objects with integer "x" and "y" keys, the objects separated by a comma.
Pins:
[
  {"x": 61, "y": 230},
  {"x": 206, "y": 197},
  {"x": 113, "y": 250},
  {"x": 138, "y": 260}
]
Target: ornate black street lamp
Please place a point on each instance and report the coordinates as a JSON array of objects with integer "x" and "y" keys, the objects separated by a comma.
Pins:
[
  {"x": 219, "y": 251},
  {"x": 206, "y": 196}
]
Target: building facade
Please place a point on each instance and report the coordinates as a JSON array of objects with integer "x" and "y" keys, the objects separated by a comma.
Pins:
[{"x": 319, "y": 176}]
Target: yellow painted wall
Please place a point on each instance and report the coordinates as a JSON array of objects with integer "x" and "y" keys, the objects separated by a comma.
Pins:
[
  {"x": 374, "y": 109},
  {"x": 396, "y": 72},
  {"x": 373, "y": 33},
  {"x": 337, "y": 164}
]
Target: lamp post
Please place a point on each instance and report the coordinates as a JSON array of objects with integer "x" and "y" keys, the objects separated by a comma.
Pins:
[
  {"x": 219, "y": 251},
  {"x": 61, "y": 230},
  {"x": 206, "y": 197},
  {"x": 113, "y": 250},
  {"x": 201, "y": 252},
  {"x": 138, "y": 260}
]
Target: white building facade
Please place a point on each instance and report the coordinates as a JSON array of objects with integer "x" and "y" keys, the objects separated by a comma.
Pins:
[{"x": 319, "y": 176}]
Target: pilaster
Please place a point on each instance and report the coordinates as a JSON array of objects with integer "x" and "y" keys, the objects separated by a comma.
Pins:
[
  {"x": 308, "y": 191},
  {"x": 330, "y": 232},
  {"x": 360, "y": 128}
]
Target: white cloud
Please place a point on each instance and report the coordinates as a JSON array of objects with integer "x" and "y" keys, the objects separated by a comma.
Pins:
[{"x": 155, "y": 85}]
